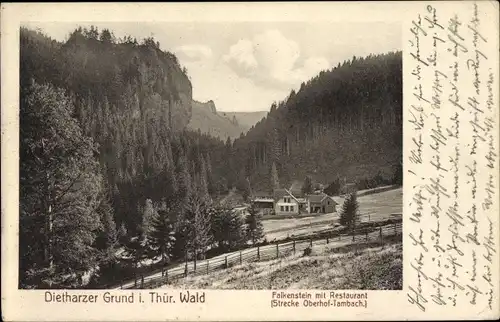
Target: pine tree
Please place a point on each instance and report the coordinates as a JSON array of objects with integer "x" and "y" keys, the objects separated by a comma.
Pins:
[
  {"x": 148, "y": 214},
  {"x": 247, "y": 189},
  {"x": 254, "y": 227},
  {"x": 203, "y": 183},
  {"x": 122, "y": 233},
  {"x": 275, "y": 183},
  {"x": 210, "y": 175},
  {"x": 60, "y": 191},
  {"x": 162, "y": 236},
  {"x": 307, "y": 187},
  {"x": 227, "y": 229},
  {"x": 197, "y": 218},
  {"x": 136, "y": 251},
  {"x": 109, "y": 235},
  {"x": 183, "y": 178},
  {"x": 349, "y": 215},
  {"x": 169, "y": 176}
]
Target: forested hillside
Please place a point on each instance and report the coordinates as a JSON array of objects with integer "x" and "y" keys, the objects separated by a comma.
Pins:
[
  {"x": 107, "y": 163},
  {"x": 245, "y": 119},
  {"x": 345, "y": 123},
  {"x": 124, "y": 104}
]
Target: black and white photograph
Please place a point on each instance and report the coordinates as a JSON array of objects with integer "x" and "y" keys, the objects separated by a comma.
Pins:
[{"x": 210, "y": 155}]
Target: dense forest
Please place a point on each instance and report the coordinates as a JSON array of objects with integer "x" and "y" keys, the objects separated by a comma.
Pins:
[{"x": 107, "y": 163}]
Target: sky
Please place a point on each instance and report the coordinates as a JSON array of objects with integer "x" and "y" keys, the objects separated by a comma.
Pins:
[{"x": 246, "y": 66}]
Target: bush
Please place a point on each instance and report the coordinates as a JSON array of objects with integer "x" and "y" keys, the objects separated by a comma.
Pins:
[{"x": 307, "y": 251}]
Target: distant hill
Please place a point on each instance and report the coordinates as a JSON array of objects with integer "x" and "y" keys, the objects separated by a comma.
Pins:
[
  {"x": 345, "y": 123},
  {"x": 246, "y": 119},
  {"x": 206, "y": 118}
]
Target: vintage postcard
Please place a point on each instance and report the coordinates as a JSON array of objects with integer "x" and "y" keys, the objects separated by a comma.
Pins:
[{"x": 250, "y": 161}]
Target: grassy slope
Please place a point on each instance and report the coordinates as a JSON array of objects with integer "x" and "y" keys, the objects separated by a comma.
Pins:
[{"x": 369, "y": 267}]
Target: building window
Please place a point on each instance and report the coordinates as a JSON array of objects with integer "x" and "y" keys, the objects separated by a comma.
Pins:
[
  {"x": 286, "y": 208},
  {"x": 291, "y": 208},
  {"x": 282, "y": 208}
]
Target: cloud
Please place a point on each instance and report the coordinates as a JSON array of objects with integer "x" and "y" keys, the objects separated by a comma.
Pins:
[
  {"x": 241, "y": 57},
  {"x": 272, "y": 59},
  {"x": 193, "y": 52}
]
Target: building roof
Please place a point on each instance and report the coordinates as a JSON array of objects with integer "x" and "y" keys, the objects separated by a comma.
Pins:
[
  {"x": 319, "y": 198},
  {"x": 263, "y": 199},
  {"x": 280, "y": 193},
  {"x": 315, "y": 198},
  {"x": 331, "y": 198},
  {"x": 302, "y": 200}
]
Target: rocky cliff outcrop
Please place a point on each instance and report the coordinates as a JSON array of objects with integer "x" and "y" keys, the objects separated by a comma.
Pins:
[{"x": 207, "y": 119}]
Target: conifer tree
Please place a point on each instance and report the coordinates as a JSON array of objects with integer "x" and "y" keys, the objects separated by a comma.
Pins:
[
  {"x": 162, "y": 236},
  {"x": 210, "y": 175},
  {"x": 136, "y": 251},
  {"x": 197, "y": 218},
  {"x": 183, "y": 178},
  {"x": 227, "y": 229},
  {"x": 349, "y": 215},
  {"x": 275, "y": 183},
  {"x": 122, "y": 233},
  {"x": 203, "y": 183},
  {"x": 307, "y": 187},
  {"x": 61, "y": 189},
  {"x": 254, "y": 227}
]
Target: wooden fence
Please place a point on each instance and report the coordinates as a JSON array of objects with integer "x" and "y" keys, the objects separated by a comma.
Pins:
[{"x": 262, "y": 253}]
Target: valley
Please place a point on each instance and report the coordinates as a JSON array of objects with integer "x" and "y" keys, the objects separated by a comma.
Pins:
[{"x": 123, "y": 173}]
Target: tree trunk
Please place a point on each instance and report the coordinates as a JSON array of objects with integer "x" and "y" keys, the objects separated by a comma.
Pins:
[
  {"x": 195, "y": 255},
  {"x": 48, "y": 250},
  {"x": 163, "y": 263}
]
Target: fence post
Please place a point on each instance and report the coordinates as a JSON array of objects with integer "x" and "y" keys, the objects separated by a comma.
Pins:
[
  {"x": 395, "y": 231},
  {"x": 340, "y": 237},
  {"x": 241, "y": 261},
  {"x": 277, "y": 250},
  {"x": 294, "y": 247},
  {"x": 311, "y": 242},
  {"x": 166, "y": 276},
  {"x": 380, "y": 232},
  {"x": 186, "y": 269},
  {"x": 162, "y": 271},
  {"x": 353, "y": 236},
  {"x": 366, "y": 235},
  {"x": 142, "y": 281},
  {"x": 327, "y": 240},
  {"x": 208, "y": 263},
  {"x": 258, "y": 253}
]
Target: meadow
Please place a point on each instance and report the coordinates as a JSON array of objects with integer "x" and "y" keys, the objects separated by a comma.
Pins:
[
  {"x": 362, "y": 266},
  {"x": 372, "y": 207}
]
